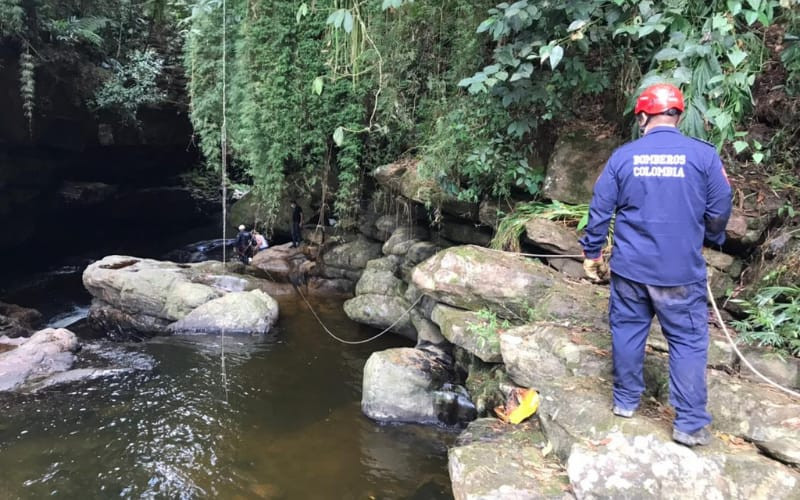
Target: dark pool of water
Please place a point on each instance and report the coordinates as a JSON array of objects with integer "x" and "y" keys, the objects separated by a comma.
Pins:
[{"x": 282, "y": 421}]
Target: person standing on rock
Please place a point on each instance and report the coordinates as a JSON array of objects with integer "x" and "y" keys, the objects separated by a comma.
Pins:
[
  {"x": 297, "y": 223},
  {"x": 244, "y": 244},
  {"x": 670, "y": 193}
]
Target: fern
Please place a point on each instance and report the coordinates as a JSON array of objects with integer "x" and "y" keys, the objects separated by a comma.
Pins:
[
  {"x": 27, "y": 87},
  {"x": 74, "y": 30}
]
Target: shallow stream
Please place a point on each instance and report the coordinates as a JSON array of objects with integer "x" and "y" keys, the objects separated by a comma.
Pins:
[{"x": 282, "y": 421}]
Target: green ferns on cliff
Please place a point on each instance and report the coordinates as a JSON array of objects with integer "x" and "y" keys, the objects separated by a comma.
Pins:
[{"x": 327, "y": 90}]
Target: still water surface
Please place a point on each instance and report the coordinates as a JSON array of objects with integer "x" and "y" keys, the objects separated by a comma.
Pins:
[{"x": 284, "y": 422}]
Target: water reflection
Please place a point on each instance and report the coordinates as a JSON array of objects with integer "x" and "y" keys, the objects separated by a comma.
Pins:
[{"x": 285, "y": 422}]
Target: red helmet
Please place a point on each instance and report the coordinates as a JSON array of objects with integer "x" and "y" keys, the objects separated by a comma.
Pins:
[{"x": 659, "y": 98}]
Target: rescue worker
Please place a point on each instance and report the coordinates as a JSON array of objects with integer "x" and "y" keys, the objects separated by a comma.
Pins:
[
  {"x": 244, "y": 244},
  {"x": 670, "y": 193},
  {"x": 297, "y": 224}
]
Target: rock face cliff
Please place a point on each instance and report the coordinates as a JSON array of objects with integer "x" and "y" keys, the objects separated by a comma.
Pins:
[{"x": 71, "y": 171}]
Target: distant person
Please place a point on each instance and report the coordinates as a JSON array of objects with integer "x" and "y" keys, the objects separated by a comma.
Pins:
[
  {"x": 260, "y": 241},
  {"x": 297, "y": 223},
  {"x": 244, "y": 244}
]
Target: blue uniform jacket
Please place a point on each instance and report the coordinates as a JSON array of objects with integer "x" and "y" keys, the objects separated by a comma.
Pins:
[{"x": 669, "y": 192}]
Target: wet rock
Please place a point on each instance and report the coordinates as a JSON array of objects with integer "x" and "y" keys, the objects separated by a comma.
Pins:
[
  {"x": 552, "y": 237},
  {"x": 381, "y": 311},
  {"x": 18, "y": 321},
  {"x": 493, "y": 460},
  {"x": 536, "y": 353},
  {"x": 574, "y": 166},
  {"x": 453, "y": 405},
  {"x": 119, "y": 325},
  {"x": 251, "y": 312},
  {"x": 648, "y": 466},
  {"x": 475, "y": 278},
  {"x": 46, "y": 352},
  {"x": 399, "y": 385},
  {"x": 487, "y": 383},
  {"x": 468, "y": 330}
]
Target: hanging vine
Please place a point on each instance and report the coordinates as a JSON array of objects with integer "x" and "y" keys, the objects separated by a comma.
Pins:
[{"x": 27, "y": 87}]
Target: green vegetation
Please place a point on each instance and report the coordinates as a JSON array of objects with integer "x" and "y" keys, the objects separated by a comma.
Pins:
[
  {"x": 773, "y": 319},
  {"x": 513, "y": 225},
  {"x": 118, "y": 48}
]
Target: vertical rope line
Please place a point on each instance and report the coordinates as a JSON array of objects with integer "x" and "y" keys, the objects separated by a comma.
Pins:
[{"x": 224, "y": 163}]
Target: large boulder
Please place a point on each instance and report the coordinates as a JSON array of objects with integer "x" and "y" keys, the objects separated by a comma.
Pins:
[
  {"x": 382, "y": 311},
  {"x": 513, "y": 287},
  {"x": 650, "y": 466},
  {"x": 496, "y": 461},
  {"x": 468, "y": 330},
  {"x": 408, "y": 385},
  {"x": 576, "y": 162},
  {"x": 350, "y": 257},
  {"x": 135, "y": 298},
  {"x": 404, "y": 177},
  {"x": 552, "y": 237},
  {"x": 403, "y": 238},
  {"x": 251, "y": 312},
  {"x": 281, "y": 263},
  {"x": 46, "y": 352},
  {"x": 145, "y": 286},
  {"x": 18, "y": 321}
]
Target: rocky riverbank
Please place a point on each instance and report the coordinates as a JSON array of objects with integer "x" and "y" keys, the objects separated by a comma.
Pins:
[{"x": 486, "y": 324}]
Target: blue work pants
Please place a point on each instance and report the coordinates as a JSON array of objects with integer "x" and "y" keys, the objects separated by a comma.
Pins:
[{"x": 683, "y": 314}]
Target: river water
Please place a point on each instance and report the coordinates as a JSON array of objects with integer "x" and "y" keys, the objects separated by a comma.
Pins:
[{"x": 281, "y": 421}]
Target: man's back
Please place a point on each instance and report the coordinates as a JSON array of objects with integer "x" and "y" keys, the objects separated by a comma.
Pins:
[{"x": 663, "y": 186}]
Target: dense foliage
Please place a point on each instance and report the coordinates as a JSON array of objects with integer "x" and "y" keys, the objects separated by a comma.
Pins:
[
  {"x": 118, "y": 46},
  {"x": 322, "y": 92}
]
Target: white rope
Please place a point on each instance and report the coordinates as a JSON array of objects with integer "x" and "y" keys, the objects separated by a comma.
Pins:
[
  {"x": 788, "y": 391},
  {"x": 224, "y": 167},
  {"x": 356, "y": 342}
]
